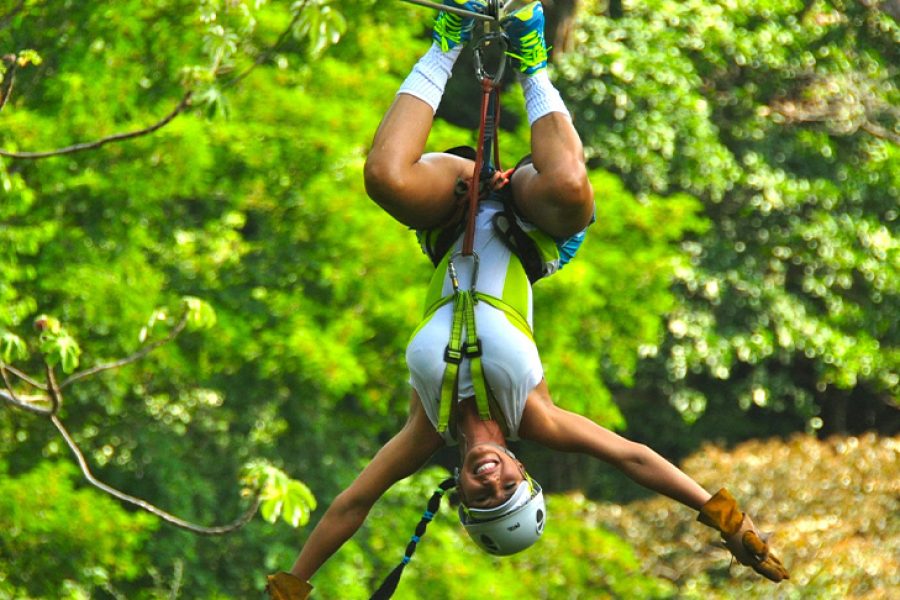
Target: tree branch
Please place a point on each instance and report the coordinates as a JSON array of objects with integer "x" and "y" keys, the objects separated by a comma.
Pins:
[
  {"x": 876, "y": 130},
  {"x": 55, "y": 399},
  {"x": 55, "y": 393},
  {"x": 8, "y": 79},
  {"x": 23, "y": 402},
  {"x": 177, "y": 329},
  {"x": 182, "y": 105},
  {"x": 271, "y": 50},
  {"x": 143, "y": 504},
  {"x": 32, "y": 382}
]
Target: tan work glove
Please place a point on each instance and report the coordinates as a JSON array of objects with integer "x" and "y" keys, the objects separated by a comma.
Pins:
[
  {"x": 284, "y": 586},
  {"x": 740, "y": 535}
]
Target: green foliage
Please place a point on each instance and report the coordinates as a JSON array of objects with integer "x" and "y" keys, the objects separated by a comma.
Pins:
[
  {"x": 56, "y": 344},
  {"x": 777, "y": 116},
  {"x": 738, "y": 151},
  {"x": 281, "y": 496},
  {"x": 323, "y": 27},
  {"x": 57, "y": 537},
  {"x": 200, "y": 315},
  {"x": 832, "y": 505},
  {"x": 12, "y": 347},
  {"x": 603, "y": 310}
]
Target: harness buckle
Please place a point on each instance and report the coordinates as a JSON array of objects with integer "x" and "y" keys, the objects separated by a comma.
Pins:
[
  {"x": 474, "y": 350},
  {"x": 452, "y": 356}
]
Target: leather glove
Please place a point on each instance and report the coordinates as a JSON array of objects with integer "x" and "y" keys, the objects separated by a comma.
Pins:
[
  {"x": 740, "y": 535},
  {"x": 284, "y": 586}
]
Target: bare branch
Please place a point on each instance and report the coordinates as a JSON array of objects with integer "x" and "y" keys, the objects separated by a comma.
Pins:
[
  {"x": 876, "y": 130},
  {"x": 143, "y": 504},
  {"x": 9, "y": 78},
  {"x": 26, "y": 402},
  {"x": 182, "y": 105},
  {"x": 55, "y": 393},
  {"x": 177, "y": 329},
  {"x": 23, "y": 402},
  {"x": 271, "y": 50},
  {"x": 32, "y": 382}
]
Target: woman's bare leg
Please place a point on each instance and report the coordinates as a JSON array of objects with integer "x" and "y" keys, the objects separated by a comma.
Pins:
[
  {"x": 554, "y": 192},
  {"x": 415, "y": 188}
]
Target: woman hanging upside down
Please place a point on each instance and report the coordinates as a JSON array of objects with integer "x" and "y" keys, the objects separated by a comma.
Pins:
[{"x": 474, "y": 368}]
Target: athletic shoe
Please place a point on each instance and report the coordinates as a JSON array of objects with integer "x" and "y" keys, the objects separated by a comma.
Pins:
[
  {"x": 452, "y": 30},
  {"x": 525, "y": 30}
]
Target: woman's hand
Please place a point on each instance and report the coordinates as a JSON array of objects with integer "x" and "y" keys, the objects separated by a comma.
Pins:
[{"x": 740, "y": 536}]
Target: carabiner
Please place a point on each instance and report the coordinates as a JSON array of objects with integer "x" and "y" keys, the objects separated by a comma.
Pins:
[
  {"x": 451, "y": 270},
  {"x": 494, "y": 37}
]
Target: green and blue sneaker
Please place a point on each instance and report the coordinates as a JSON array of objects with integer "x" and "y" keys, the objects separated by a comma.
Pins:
[
  {"x": 452, "y": 30},
  {"x": 525, "y": 30}
]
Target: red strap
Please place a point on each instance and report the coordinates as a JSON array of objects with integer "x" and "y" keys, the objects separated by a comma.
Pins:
[{"x": 487, "y": 86}]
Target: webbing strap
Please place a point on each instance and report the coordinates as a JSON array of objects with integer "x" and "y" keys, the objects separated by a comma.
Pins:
[
  {"x": 453, "y": 357},
  {"x": 473, "y": 353},
  {"x": 463, "y": 315},
  {"x": 485, "y": 136}
]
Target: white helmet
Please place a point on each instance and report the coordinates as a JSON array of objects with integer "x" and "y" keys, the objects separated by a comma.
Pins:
[{"x": 511, "y": 527}]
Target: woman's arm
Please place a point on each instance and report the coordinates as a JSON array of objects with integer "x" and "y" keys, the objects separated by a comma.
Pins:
[
  {"x": 402, "y": 456},
  {"x": 559, "y": 429}
]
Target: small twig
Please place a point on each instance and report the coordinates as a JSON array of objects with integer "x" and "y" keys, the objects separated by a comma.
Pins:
[
  {"x": 25, "y": 403},
  {"x": 178, "y": 328},
  {"x": 6, "y": 381},
  {"x": 9, "y": 79},
  {"x": 184, "y": 103},
  {"x": 56, "y": 399},
  {"x": 880, "y": 132},
  {"x": 32, "y": 382},
  {"x": 143, "y": 504},
  {"x": 271, "y": 50}
]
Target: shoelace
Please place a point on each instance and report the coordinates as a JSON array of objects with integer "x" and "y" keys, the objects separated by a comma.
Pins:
[
  {"x": 533, "y": 52},
  {"x": 448, "y": 27}
]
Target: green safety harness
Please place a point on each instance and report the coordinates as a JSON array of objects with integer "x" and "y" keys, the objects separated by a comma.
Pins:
[
  {"x": 534, "y": 249},
  {"x": 464, "y": 301},
  {"x": 469, "y": 345}
]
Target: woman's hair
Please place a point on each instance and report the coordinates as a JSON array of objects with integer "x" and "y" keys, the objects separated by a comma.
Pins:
[{"x": 434, "y": 503}]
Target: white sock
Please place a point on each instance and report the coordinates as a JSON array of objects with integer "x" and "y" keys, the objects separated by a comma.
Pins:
[
  {"x": 541, "y": 97},
  {"x": 429, "y": 76}
]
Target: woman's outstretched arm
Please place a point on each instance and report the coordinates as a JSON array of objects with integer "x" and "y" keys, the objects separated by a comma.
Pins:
[
  {"x": 402, "y": 456},
  {"x": 560, "y": 429}
]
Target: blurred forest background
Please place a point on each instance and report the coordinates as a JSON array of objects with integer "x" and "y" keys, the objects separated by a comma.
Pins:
[{"x": 207, "y": 314}]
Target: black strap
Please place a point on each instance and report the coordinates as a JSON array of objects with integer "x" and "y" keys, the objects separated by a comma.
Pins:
[{"x": 507, "y": 229}]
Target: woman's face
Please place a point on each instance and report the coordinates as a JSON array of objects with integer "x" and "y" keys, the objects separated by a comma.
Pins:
[{"x": 488, "y": 476}]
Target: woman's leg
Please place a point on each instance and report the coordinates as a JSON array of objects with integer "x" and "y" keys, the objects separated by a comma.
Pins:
[
  {"x": 553, "y": 192},
  {"x": 416, "y": 189}
]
